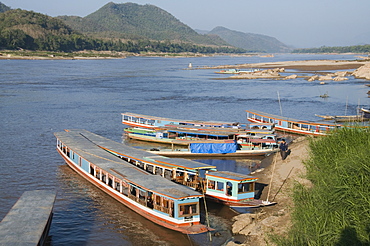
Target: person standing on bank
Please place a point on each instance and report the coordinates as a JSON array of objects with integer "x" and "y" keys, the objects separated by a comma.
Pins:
[{"x": 283, "y": 149}]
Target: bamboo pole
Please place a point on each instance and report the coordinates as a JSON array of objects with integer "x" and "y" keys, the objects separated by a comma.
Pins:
[
  {"x": 272, "y": 175},
  {"x": 206, "y": 209},
  {"x": 273, "y": 199}
]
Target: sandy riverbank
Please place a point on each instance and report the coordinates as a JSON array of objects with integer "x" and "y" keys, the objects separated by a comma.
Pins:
[
  {"x": 306, "y": 65},
  {"x": 278, "y": 178}
]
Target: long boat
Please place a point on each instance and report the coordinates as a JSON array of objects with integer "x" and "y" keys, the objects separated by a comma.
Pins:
[
  {"x": 168, "y": 204},
  {"x": 185, "y": 135},
  {"x": 177, "y": 136},
  {"x": 208, "y": 150},
  {"x": 145, "y": 121},
  {"x": 287, "y": 124},
  {"x": 229, "y": 188}
]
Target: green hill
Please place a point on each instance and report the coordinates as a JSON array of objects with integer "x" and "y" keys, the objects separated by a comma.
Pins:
[
  {"x": 134, "y": 21},
  {"x": 21, "y": 29},
  {"x": 250, "y": 41},
  {"x": 29, "y": 30}
]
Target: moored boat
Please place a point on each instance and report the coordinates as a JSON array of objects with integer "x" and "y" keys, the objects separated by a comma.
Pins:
[
  {"x": 286, "y": 124},
  {"x": 207, "y": 150},
  {"x": 195, "y": 175},
  {"x": 177, "y": 136},
  {"x": 366, "y": 112},
  {"x": 168, "y": 204},
  {"x": 145, "y": 121}
]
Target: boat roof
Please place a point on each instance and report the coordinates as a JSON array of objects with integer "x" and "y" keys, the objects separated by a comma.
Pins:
[
  {"x": 142, "y": 155},
  {"x": 176, "y": 120},
  {"x": 278, "y": 117},
  {"x": 77, "y": 141},
  {"x": 231, "y": 176}
]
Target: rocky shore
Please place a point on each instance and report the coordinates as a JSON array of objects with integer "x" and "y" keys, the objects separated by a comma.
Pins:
[{"x": 280, "y": 176}]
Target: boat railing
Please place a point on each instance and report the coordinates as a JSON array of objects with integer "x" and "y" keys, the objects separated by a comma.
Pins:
[{"x": 162, "y": 209}]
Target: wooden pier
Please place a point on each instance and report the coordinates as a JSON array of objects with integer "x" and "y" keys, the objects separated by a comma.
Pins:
[{"x": 28, "y": 222}]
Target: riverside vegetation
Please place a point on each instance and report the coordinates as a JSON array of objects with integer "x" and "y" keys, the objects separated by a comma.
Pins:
[{"x": 335, "y": 208}]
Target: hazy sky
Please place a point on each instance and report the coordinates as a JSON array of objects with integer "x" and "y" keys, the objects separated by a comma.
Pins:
[{"x": 310, "y": 23}]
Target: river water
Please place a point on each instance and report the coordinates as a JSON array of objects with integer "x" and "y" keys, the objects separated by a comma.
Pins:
[{"x": 40, "y": 97}]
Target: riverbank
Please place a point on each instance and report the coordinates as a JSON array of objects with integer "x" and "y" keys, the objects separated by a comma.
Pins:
[{"x": 279, "y": 177}]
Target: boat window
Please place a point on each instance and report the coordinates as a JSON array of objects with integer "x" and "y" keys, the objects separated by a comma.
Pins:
[
  {"x": 142, "y": 195},
  {"x": 117, "y": 186},
  {"x": 188, "y": 209},
  {"x": 157, "y": 200},
  {"x": 211, "y": 184},
  {"x": 92, "y": 170},
  {"x": 229, "y": 188},
  {"x": 168, "y": 174},
  {"x": 245, "y": 187},
  {"x": 158, "y": 171},
  {"x": 133, "y": 191},
  {"x": 220, "y": 186}
]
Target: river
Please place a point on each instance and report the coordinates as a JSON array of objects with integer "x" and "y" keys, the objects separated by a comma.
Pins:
[{"x": 40, "y": 97}]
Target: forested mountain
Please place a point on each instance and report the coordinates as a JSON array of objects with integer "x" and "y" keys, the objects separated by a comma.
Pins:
[
  {"x": 21, "y": 29},
  {"x": 134, "y": 21},
  {"x": 3, "y": 8},
  {"x": 250, "y": 42},
  {"x": 30, "y": 30}
]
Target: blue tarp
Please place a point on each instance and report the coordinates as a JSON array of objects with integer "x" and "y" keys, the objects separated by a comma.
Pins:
[{"x": 213, "y": 148}]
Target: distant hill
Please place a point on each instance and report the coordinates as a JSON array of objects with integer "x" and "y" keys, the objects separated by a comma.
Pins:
[
  {"x": 22, "y": 29},
  {"x": 30, "y": 30},
  {"x": 250, "y": 41},
  {"x": 3, "y": 7},
  {"x": 134, "y": 21}
]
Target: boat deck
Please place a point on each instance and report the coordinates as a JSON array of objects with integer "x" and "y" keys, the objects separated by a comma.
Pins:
[
  {"x": 80, "y": 141},
  {"x": 141, "y": 155},
  {"x": 28, "y": 222}
]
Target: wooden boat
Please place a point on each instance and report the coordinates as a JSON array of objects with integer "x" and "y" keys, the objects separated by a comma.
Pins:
[
  {"x": 286, "y": 124},
  {"x": 343, "y": 118},
  {"x": 29, "y": 220},
  {"x": 189, "y": 135},
  {"x": 366, "y": 112},
  {"x": 145, "y": 121},
  {"x": 198, "y": 176},
  {"x": 208, "y": 150},
  {"x": 168, "y": 204},
  {"x": 177, "y": 136}
]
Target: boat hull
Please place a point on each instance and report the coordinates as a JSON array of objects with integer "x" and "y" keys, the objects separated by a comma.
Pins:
[
  {"x": 186, "y": 228},
  {"x": 239, "y": 153},
  {"x": 254, "y": 203}
]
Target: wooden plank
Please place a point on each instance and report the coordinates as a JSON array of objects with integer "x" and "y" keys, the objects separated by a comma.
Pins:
[{"x": 28, "y": 222}]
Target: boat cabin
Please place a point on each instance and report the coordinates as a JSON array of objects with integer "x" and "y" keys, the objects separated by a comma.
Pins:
[{"x": 229, "y": 186}]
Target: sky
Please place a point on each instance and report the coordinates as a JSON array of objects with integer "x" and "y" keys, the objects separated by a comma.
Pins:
[{"x": 298, "y": 23}]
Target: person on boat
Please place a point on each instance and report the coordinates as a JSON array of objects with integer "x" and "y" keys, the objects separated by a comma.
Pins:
[{"x": 283, "y": 149}]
